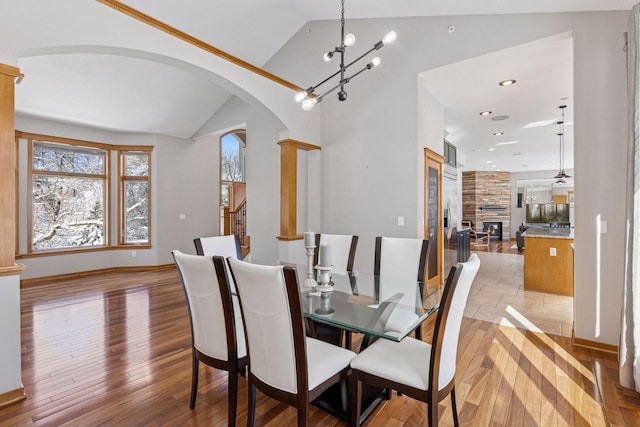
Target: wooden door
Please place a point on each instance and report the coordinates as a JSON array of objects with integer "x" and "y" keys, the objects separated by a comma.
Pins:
[{"x": 433, "y": 214}]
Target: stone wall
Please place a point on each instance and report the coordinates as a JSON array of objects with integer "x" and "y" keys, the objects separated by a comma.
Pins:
[{"x": 482, "y": 189}]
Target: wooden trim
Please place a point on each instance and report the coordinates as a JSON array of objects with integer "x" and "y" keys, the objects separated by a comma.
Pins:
[
  {"x": 61, "y": 140},
  {"x": 8, "y": 157},
  {"x": 433, "y": 160},
  {"x": 288, "y": 186},
  {"x": 304, "y": 146},
  {"x": 13, "y": 396},
  {"x": 172, "y": 31},
  {"x": 593, "y": 345},
  {"x": 44, "y": 279},
  {"x": 12, "y": 271}
]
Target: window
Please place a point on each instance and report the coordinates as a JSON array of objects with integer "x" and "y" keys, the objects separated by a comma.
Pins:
[
  {"x": 71, "y": 199},
  {"x": 134, "y": 197},
  {"x": 68, "y": 196},
  {"x": 232, "y": 148}
]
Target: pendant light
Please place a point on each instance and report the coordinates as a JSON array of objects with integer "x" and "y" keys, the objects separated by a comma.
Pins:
[
  {"x": 561, "y": 173},
  {"x": 308, "y": 98}
]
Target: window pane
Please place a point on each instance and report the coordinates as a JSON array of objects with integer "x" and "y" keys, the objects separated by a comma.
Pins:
[
  {"x": 136, "y": 164},
  {"x": 54, "y": 157},
  {"x": 67, "y": 212},
  {"x": 224, "y": 195},
  {"x": 136, "y": 212},
  {"x": 230, "y": 165}
]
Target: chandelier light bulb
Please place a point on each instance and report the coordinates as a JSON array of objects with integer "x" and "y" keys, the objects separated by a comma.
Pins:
[
  {"x": 349, "y": 40},
  {"x": 300, "y": 96},
  {"x": 327, "y": 56},
  {"x": 308, "y": 104},
  {"x": 390, "y": 37}
]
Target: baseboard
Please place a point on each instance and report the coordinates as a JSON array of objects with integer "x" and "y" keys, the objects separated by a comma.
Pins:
[
  {"x": 11, "y": 397},
  {"x": 593, "y": 345},
  {"x": 38, "y": 280}
]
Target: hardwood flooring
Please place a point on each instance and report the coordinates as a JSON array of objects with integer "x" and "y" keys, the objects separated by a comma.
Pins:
[{"x": 114, "y": 349}]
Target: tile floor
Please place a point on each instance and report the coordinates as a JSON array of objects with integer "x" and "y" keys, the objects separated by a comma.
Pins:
[{"x": 497, "y": 296}]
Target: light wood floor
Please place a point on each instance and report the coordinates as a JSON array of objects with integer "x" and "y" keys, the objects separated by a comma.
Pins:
[{"x": 114, "y": 349}]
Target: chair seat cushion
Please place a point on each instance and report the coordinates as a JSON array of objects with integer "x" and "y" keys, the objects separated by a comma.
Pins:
[
  {"x": 325, "y": 360},
  {"x": 405, "y": 362}
]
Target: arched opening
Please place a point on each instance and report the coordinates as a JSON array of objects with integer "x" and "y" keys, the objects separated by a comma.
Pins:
[{"x": 233, "y": 187}]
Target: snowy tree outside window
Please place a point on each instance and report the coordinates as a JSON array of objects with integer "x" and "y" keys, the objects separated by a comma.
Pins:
[
  {"x": 68, "y": 196},
  {"x": 135, "y": 195}
]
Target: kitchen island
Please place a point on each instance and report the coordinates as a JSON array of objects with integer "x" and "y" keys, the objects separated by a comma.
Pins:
[{"x": 548, "y": 260}]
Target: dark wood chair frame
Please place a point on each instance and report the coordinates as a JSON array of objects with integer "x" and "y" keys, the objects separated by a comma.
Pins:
[
  {"x": 422, "y": 268},
  {"x": 200, "y": 251},
  {"x": 304, "y": 396},
  {"x": 233, "y": 365},
  {"x": 432, "y": 396}
]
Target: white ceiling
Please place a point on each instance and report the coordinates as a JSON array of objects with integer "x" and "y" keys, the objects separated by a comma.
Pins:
[{"x": 133, "y": 95}]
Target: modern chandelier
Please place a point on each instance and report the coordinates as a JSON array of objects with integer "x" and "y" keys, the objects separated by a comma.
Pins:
[
  {"x": 309, "y": 98},
  {"x": 561, "y": 174}
]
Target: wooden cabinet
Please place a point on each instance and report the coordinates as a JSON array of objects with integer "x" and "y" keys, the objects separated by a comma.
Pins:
[{"x": 545, "y": 272}]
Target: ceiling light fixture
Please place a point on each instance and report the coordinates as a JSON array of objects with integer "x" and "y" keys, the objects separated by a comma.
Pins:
[
  {"x": 507, "y": 82},
  {"x": 309, "y": 99},
  {"x": 561, "y": 174},
  {"x": 498, "y": 133},
  {"x": 484, "y": 113}
]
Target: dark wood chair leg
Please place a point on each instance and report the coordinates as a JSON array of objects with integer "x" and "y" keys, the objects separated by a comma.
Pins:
[
  {"x": 454, "y": 409},
  {"x": 303, "y": 416},
  {"x": 251, "y": 388},
  {"x": 355, "y": 391},
  {"x": 432, "y": 412},
  {"x": 233, "y": 397},
  {"x": 195, "y": 365}
]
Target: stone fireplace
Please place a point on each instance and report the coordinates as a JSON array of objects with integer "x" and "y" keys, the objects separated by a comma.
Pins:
[{"x": 493, "y": 228}]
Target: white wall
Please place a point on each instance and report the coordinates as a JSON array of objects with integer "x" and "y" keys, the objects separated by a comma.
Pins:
[{"x": 369, "y": 141}]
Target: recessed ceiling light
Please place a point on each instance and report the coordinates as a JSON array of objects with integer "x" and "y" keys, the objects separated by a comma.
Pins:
[
  {"x": 498, "y": 133},
  {"x": 507, "y": 143},
  {"x": 507, "y": 82},
  {"x": 484, "y": 113},
  {"x": 491, "y": 149},
  {"x": 498, "y": 118},
  {"x": 488, "y": 161}
]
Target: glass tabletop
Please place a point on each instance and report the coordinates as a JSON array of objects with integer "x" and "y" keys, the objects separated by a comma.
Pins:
[{"x": 382, "y": 306}]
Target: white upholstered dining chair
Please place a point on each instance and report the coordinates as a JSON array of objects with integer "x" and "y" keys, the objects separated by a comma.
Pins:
[
  {"x": 401, "y": 258},
  {"x": 343, "y": 250},
  {"x": 217, "y": 335},
  {"x": 422, "y": 371},
  {"x": 283, "y": 363},
  {"x": 224, "y": 246}
]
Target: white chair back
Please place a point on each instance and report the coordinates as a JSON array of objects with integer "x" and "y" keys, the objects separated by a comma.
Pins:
[
  {"x": 400, "y": 257},
  {"x": 454, "y": 320},
  {"x": 224, "y": 246},
  {"x": 267, "y": 319},
  {"x": 340, "y": 250},
  {"x": 202, "y": 289}
]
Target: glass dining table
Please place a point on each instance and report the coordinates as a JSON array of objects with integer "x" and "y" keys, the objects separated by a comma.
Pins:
[
  {"x": 384, "y": 307},
  {"x": 388, "y": 307}
]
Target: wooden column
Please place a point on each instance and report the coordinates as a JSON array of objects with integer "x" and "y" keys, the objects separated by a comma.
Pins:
[
  {"x": 8, "y": 77},
  {"x": 288, "y": 186}
]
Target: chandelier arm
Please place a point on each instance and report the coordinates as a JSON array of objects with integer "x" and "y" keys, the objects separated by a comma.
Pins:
[{"x": 313, "y": 88}]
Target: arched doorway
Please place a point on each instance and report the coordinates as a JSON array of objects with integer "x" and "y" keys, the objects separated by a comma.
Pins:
[{"x": 233, "y": 187}]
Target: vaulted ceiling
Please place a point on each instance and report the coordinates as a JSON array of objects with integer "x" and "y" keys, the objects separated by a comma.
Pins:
[{"x": 138, "y": 95}]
